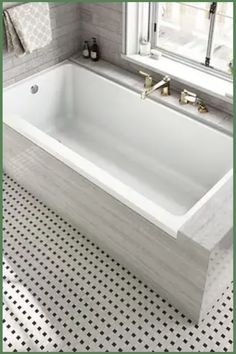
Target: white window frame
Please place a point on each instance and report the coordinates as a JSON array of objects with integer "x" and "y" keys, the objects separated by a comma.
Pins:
[
  {"x": 133, "y": 32},
  {"x": 206, "y": 63}
]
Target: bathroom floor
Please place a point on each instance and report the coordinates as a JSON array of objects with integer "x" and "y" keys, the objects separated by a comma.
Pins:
[{"x": 64, "y": 293}]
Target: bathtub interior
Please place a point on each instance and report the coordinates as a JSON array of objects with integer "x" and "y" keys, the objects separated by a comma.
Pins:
[
  {"x": 50, "y": 107},
  {"x": 163, "y": 155}
]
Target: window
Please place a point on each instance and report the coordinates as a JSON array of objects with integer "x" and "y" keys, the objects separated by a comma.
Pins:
[
  {"x": 199, "y": 34},
  {"x": 198, "y": 31}
]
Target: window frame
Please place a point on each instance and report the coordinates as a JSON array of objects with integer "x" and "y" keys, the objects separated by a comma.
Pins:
[{"x": 150, "y": 35}]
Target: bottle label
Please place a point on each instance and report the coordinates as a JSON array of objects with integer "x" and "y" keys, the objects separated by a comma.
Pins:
[
  {"x": 94, "y": 55},
  {"x": 85, "y": 53}
]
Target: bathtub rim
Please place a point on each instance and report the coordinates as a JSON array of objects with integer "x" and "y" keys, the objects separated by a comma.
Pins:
[
  {"x": 73, "y": 62},
  {"x": 50, "y": 68},
  {"x": 54, "y": 147}
]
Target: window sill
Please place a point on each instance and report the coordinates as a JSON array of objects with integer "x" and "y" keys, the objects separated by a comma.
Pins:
[{"x": 195, "y": 78}]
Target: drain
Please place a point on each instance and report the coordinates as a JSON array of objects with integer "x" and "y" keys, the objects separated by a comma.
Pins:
[{"x": 34, "y": 89}]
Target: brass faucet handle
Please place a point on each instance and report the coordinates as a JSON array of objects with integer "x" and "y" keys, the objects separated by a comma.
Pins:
[
  {"x": 166, "y": 78},
  {"x": 202, "y": 108},
  {"x": 187, "y": 97},
  {"x": 182, "y": 99},
  {"x": 148, "y": 79},
  {"x": 189, "y": 93},
  {"x": 165, "y": 91},
  {"x": 143, "y": 73}
]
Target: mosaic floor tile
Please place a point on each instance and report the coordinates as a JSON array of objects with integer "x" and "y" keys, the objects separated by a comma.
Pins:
[{"x": 64, "y": 293}]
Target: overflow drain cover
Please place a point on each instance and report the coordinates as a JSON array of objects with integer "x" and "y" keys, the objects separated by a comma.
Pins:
[{"x": 34, "y": 89}]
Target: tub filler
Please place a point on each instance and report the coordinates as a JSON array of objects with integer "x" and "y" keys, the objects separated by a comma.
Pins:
[{"x": 148, "y": 183}]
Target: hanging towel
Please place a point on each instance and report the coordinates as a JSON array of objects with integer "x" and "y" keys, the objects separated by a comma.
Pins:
[{"x": 27, "y": 27}]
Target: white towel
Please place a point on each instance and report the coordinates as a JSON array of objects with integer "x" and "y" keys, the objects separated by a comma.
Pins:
[{"x": 27, "y": 27}]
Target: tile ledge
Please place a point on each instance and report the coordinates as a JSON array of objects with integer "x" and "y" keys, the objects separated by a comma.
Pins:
[
  {"x": 213, "y": 221},
  {"x": 214, "y": 118}
]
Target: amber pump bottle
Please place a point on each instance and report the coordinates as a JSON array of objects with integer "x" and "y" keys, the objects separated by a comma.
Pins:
[
  {"x": 86, "y": 51},
  {"x": 94, "y": 50}
]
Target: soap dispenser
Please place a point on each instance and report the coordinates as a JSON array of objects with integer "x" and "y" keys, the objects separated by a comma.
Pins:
[
  {"x": 94, "y": 51},
  {"x": 86, "y": 52}
]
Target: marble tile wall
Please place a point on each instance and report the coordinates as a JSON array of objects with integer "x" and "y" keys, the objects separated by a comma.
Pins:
[
  {"x": 66, "y": 41},
  {"x": 104, "y": 21}
]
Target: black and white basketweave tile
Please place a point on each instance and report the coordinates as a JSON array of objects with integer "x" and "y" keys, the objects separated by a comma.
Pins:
[{"x": 61, "y": 292}]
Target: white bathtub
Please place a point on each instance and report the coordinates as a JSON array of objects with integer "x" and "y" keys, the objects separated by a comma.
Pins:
[
  {"x": 157, "y": 161},
  {"x": 149, "y": 184}
]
